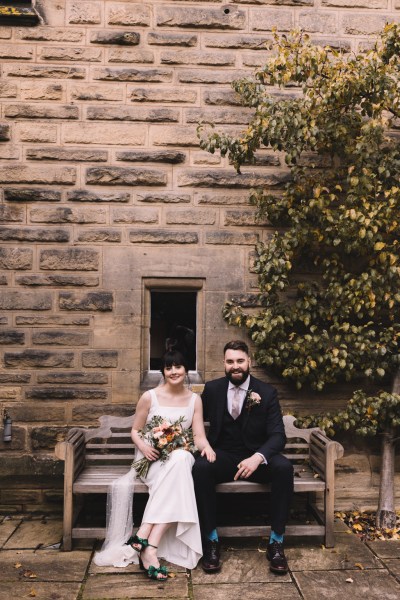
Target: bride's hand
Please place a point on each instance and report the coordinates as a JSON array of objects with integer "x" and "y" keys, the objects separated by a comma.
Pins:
[
  {"x": 209, "y": 453},
  {"x": 149, "y": 452}
]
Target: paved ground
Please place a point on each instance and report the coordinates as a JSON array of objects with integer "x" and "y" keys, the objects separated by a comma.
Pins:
[{"x": 32, "y": 566}]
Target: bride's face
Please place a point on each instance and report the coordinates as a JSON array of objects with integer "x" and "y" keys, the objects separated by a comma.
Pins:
[{"x": 175, "y": 374}]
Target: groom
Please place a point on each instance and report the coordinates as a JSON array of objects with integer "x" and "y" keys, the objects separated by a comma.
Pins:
[{"x": 247, "y": 434}]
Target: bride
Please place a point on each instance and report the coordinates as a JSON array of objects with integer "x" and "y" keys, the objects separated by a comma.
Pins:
[{"x": 170, "y": 525}]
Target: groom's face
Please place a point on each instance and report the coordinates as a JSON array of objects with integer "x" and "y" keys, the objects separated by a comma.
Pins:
[{"x": 237, "y": 366}]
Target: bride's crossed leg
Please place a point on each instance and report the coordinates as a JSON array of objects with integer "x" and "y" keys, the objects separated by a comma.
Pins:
[{"x": 146, "y": 542}]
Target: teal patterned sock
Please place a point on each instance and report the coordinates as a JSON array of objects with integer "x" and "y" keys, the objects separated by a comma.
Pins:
[
  {"x": 275, "y": 537},
  {"x": 213, "y": 536}
]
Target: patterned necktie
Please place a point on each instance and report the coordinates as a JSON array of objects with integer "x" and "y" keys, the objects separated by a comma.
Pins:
[{"x": 236, "y": 403}]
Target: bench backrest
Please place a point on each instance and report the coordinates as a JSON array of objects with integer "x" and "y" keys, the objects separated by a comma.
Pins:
[{"x": 111, "y": 442}]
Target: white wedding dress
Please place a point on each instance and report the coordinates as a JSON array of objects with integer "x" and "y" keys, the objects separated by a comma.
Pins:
[{"x": 171, "y": 500}]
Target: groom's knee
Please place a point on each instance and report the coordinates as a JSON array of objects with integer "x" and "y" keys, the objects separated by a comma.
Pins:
[{"x": 202, "y": 470}]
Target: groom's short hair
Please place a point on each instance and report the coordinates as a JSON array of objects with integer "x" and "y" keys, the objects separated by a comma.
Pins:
[{"x": 236, "y": 345}]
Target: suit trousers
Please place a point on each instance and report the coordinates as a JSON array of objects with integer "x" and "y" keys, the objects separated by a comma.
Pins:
[{"x": 278, "y": 472}]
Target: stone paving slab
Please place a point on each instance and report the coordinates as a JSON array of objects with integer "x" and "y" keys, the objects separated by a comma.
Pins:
[
  {"x": 39, "y": 590},
  {"x": 46, "y": 565},
  {"x": 239, "y": 566},
  {"x": 385, "y": 548},
  {"x": 32, "y": 534},
  {"x": 7, "y": 528},
  {"x": 365, "y": 585},
  {"x": 349, "y": 553},
  {"x": 113, "y": 587},
  {"x": 250, "y": 591},
  {"x": 394, "y": 567}
]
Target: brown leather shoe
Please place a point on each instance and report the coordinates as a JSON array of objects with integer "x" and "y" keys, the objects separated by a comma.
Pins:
[
  {"x": 277, "y": 558},
  {"x": 211, "y": 562}
]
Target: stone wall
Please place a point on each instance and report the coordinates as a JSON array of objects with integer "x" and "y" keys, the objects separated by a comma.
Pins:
[{"x": 104, "y": 185}]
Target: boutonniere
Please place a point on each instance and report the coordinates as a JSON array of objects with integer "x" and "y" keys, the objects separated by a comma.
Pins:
[{"x": 252, "y": 399}]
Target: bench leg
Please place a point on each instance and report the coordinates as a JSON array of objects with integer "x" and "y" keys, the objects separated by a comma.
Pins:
[{"x": 329, "y": 518}]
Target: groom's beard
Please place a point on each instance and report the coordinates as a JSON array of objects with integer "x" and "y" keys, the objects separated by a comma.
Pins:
[{"x": 237, "y": 376}]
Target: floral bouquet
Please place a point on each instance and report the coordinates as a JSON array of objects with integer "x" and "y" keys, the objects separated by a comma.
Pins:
[{"x": 164, "y": 437}]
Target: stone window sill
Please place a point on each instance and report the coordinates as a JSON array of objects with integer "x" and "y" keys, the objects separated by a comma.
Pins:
[{"x": 18, "y": 13}]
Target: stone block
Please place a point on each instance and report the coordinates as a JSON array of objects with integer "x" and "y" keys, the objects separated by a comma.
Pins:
[
  {"x": 84, "y": 13},
  {"x": 11, "y": 337},
  {"x": 119, "y": 38},
  {"x": 11, "y": 214},
  {"x": 29, "y": 174},
  {"x": 33, "y": 234},
  {"x": 97, "y": 92},
  {"x": 225, "y": 116},
  {"x": 8, "y": 90},
  {"x": 132, "y": 113},
  {"x": 221, "y": 97},
  {"x": 92, "y": 301},
  {"x": 71, "y": 53},
  {"x": 10, "y": 393},
  {"x": 315, "y": 21},
  {"x": 54, "y": 337},
  {"x": 9, "y": 152},
  {"x": 72, "y": 377},
  {"x": 363, "y": 23},
  {"x": 266, "y": 19},
  {"x": 73, "y": 155},
  {"x": 86, "y": 413},
  {"x": 205, "y": 76},
  {"x": 134, "y": 215},
  {"x": 45, "y": 71},
  {"x": 57, "y": 280},
  {"x": 237, "y": 41},
  {"x": 205, "y": 158},
  {"x": 4, "y": 132},
  {"x": 86, "y": 196},
  {"x": 125, "y": 176},
  {"x": 133, "y": 15},
  {"x": 32, "y": 90},
  {"x": 172, "y": 39},
  {"x": 53, "y": 320},
  {"x": 160, "y": 236},
  {"x": 355, "y": 3},
  {"x": 38, "y": 359},
  {"x": 124, "y": 134},
  {"x": 159, "y": 95},
  {"x": 231, "y": 238},
  {"x": 148, "y": 75},
  {"x": 230, "y": 179},
  {"x": 16, "y": 51},
  {"x": 18, "y": 440},
  {"x": 243, "y": 217},
  {"x": 3, "y": 281},
  {"x": 192, "y": 57},
  {"x": 32, "y": 466},
  {"x": 16, "y": 258},
  {"x": 57, "y": 393},
  {"x": 50, "y": 34},
  {"x": 31, "y": 195},
  {"x": 212, "y": 18},
  {"x": 190, "y": 217},
  {"x": 65, "y": 214},
  {"x": 129, "y": 55},
  {"x": 70, "y": 259},
  {"x": 15, "y": 378},
  {"x": 45, "y": 438},
  {"x": 171, "y": 157},
  {"x": 176, "y": 135},
  {"x": 164, "y": 198},
  {"x": 99, "y": 235},
  {"x": 40, "y": 111},
  {"x": 19, "y": 300},
  {"x": 37, "y": 132},
  {"x": 101, "y": 359}
]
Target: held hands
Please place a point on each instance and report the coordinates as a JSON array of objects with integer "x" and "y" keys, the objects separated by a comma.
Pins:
[
  {"x": 247, "y": 467},
  {"x": 149, "y": 452},
  {"x": 209, "y": 453}
]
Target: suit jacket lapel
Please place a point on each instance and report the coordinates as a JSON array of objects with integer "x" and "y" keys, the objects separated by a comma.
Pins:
[
  {"x": 252, "y": 388},
  {"x": 221, "y": 401}
]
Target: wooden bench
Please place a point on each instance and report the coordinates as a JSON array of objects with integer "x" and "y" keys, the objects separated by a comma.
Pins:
[{"x": 94, "y": 457}]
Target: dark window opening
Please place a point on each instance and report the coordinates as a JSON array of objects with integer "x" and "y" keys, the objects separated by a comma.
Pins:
[
  {"x": 18, "y": 12},
  {"x": 173, "y": 318}
]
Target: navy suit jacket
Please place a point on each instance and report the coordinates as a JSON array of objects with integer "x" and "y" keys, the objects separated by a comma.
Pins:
[{"x": 262, "y": 425}]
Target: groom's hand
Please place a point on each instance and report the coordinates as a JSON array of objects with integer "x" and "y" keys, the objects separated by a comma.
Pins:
[{"x": 247, "y": 466}]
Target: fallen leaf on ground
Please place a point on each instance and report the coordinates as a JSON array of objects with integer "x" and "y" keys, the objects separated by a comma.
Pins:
[{"x": 349, "y": 580}]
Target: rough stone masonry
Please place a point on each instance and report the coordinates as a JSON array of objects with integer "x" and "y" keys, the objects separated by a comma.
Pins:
[{"x": 105, "y": 188}]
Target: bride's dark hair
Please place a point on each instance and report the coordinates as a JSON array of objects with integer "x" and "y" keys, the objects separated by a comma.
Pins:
[{"x": 173, "y": 357}]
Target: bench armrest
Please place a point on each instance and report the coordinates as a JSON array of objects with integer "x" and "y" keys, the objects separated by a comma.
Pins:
[{"x": 323, "y": 454}]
